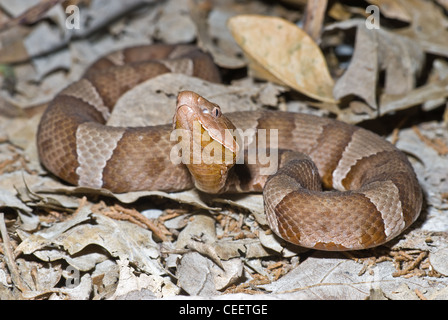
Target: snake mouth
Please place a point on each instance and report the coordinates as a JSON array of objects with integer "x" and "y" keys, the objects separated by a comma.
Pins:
[{"x": 225, "y": 137}]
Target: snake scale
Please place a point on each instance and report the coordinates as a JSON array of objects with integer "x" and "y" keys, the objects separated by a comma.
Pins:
[{"x": 338, "y": 186}]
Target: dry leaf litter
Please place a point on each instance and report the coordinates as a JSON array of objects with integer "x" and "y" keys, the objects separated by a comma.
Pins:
[{"x": 67, "y": 242}]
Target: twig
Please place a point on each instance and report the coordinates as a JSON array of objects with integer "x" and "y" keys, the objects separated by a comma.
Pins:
[
  {"x": 396, "y": 131},
  {"x": 82, "y": 203},
  {"x": 314, "y": 17},
  {"x": 9, "y": 256},
  {"x": 171, "y": 214},
  {"x": 436, "y": 144},
  {"x": 420, "y": 295},
  {"x": 412, "y": 266},
  {"x": 120, "y": 213},
  {"x": 4, "y": 164},
  {"x": 162, "y": 234}
]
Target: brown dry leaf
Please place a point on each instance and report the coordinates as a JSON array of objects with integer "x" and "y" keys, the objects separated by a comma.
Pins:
[
  {"x": 281, "y": 52},
  {"x": 141, "y": 287},
  {"x": 200, "y": 227},
  {"x": 175, "y": 24},
  {"x": 338, "y": 12},
  {"x": 120, "y": 238},
  {"x": 252, "y": 202},
  {"x": 213, "y": 35},
  {"x": 221, "y": 46},
  {"x": 393, "y": 9},
  {"x": 439, "y": 261},
  {"x": 250, "y": 248},
  {"x": 12, "y": 46},
  {"x": 429, "y": 92},
  {"x": 325, "y": 275},
  {"x": 89, "y": 241},
  {"x": 197, "y": 275},
  {"x": 402, "y": 59},
  {"x": 361, "y": 76},
  {"x": 376, "y": 50},
  {"x": 443, "y": 3},
  {"x": 57, "y": 35},
  {"x": 32, "y": 15},
  {"x": 428, "y": 26}
]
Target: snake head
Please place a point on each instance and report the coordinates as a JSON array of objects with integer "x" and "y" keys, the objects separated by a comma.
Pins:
[
  {"x": 212, "y": 147},
  {"x": 193, "y": 107}
]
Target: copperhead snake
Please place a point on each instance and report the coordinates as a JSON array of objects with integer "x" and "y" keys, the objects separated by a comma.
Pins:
[{"x": 377, "y": 194}]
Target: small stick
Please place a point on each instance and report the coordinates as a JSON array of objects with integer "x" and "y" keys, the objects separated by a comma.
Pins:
[
  {"x": 9, "y": 256},
  {"x": 314, "y": 18}
]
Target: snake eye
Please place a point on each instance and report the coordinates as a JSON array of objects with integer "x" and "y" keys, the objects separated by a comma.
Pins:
[{"x": 216, "y": 112}]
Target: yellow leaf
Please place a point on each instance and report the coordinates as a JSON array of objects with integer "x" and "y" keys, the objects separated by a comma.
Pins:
[{"x": 281, "y": 52}]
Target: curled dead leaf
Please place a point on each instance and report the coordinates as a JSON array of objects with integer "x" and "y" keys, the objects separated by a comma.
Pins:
[{"x": 281, "y": 52}]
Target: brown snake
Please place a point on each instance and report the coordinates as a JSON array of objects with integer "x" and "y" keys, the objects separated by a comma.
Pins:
[{"x": 377, "y": 194}]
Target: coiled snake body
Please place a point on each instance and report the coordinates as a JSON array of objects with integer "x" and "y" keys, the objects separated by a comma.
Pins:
[{"x": 377, "y": 194}]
